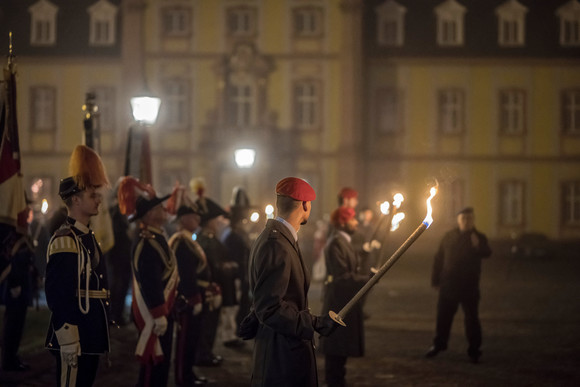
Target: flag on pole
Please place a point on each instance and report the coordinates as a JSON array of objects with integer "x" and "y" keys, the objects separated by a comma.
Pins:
[{"x": 12, "y": 199}]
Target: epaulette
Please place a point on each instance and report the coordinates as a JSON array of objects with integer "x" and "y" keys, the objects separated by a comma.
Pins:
[
  {"x": 62, "y": 244},
  {"x": 274, "y": 234},
  {"x": 146, "y": 234},
  {"x": 64, "y": 230}
]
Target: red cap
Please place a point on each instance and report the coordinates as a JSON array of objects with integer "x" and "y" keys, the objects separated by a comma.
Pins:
[
  {"x": 296, "y": 188},
  {"x": 348, "y": 193},
  {"x": 341, "y": 216}
]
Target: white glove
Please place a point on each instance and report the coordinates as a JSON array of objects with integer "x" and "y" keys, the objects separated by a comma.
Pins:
[
  {"x": 69, "y": 354},
  {"x": 197, "y": 305},
  {"x": 372, "y": 245},
  {"x": 160, "y": 325}
]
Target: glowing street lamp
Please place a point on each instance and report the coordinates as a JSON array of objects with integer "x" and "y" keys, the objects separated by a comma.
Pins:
[
  {"x": 244, "y": 157},
  {"x": 145, "y": 109}
]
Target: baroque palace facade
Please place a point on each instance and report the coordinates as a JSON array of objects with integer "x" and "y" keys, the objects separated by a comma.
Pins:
[{"x": 382, "y": 95}]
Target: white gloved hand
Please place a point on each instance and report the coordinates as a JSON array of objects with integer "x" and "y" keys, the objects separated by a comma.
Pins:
[
  {"x": 160, "y": 325},
  {"x": 69, "y": 354},
  {"x": 375, "y": 244}
]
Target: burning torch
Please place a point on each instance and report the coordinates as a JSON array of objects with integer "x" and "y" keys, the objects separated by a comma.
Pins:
[{"x": 337, "y": 317}]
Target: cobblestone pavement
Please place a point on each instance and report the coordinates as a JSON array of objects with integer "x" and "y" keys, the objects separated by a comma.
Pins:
[{"x": 530, "y": 314}]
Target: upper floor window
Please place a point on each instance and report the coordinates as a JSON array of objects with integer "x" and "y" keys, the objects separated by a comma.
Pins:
[
  {"x": 43, "y": 23},
  {"x": 241, "y": 21},
  {"x": 390, "y": 23},
  {"x": 103, "y": 26},
  {"x": 512, "y": 111},
  {"x": 511, "y": 23},
  {"x": 307, "y": 104},
  {"x": 511, "y": 197},
  {"x": 451, "y": 110},
  {"x": 389, "y": 112},
  {"x": 43, "y": 108},
  {"x": 105, "y": 100},
  {"x": 242, "y": 103},
  {"x": 176, "y": 109},
  {"x": 307, "y": 22},
  {"x": 569, "y": 15},
  {"x": 450, "y": 16},
  {"x": 176, "y": 21},
  {"x": 570, "y": 203},
  {"x": 570, "y": 107}
]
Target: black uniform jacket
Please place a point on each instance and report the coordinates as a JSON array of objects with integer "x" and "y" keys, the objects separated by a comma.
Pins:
[
  {"x": 62, "y": 286},
  {"x": 457, "y": 264},
  {"x": 190, "y": 261},
  {"x": 343, "y": 282},
  {"x": 222, "y": 270},
  {"x": 283, "y": 351}
]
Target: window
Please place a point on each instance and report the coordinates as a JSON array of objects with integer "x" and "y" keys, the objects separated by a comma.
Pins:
[
  {"x": 176, "y": 106},
  {"x": 43, "y": 99},
  {"x": 242, "y": 104},
  {"x": 43, "y": 23},
  {"x": 388, "y": 112},
  {"x": 241, "y": 21},
  {"x": 307, "y": 104},
  {"x": 570, "y": 105},
  {"x": 307, "y": 22},
  {"x": 451, "y": 111},
  {"x": 105, "y": 100},
  {"x": 511, "y": 209},
  {"x": 103, "y": 26},
  {"x": 569, "y": 15},
  {"x": 571, "y": 203},
  {"x": 450, "y": 23},
  {"x": 512, "y": 111},
  {"x": 176, "y": 21},
  {"x": 511, "y": 23},
  {"x": 390, "y": 23}
]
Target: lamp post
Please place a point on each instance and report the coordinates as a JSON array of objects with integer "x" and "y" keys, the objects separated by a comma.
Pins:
[
  {"x": 244, "y": 158},
  {"x": 138, "y": 157}
]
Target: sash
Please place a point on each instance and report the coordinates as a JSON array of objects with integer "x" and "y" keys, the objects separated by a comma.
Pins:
[{"x": 148, "y": 346}]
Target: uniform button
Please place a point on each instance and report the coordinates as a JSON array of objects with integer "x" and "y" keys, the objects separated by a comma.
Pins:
[
  {"x": 101, "y": 276},
  {"x": 107, "y": 303}
]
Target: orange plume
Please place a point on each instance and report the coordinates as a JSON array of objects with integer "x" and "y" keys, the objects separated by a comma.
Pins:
[
  {"x": 129, "y": 189},
  {"x": 87, "y": 169}
]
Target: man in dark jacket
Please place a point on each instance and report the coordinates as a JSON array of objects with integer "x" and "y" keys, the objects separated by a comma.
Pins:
[
  {"x": 342, "y": 282},
  {"x": 456, "y": 273},
  {"x": 284, "y": 329}
]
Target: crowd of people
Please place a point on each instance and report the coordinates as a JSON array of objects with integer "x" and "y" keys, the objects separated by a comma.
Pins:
[{"x": 194, "y": 273}]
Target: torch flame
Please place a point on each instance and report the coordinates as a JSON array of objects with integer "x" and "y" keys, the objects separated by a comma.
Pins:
[
  {"x": 429, "y": 219},
  {"x": 44, "y": 207},
  {"x": 397, "y": 219},
  {"x": 385, "y": 208},
  {"x": 398, "y": 199}
]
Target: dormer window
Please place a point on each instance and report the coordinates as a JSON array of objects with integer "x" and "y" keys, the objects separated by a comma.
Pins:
[
  {"x": 307, "y": 22},
  {"x": 511, "y": 23},
  {"x": 390, "y": 24},
  {"x": 43, "y": 23},
  {"x": 569, "y": 15},
  {"x": 450, "y": 15},
  {"x": 241, "y": 22},
  {"x": 103, "y": 26}
]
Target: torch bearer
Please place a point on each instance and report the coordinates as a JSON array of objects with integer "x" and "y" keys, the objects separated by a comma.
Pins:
[{"x": 337, "y": 317}]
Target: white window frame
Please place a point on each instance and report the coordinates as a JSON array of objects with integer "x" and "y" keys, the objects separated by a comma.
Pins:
[
  {"x": 451, "y": 111},
  {"x": 177, "y": 92},
  {"x": 570, "y": 205},
  {"x": 43, "y": 108},
  {"x": 512, "y": 111},
  {"x": 103, "y": 23},
  {"x": 242, "y": 103},
  {"x": 388, "y": 114},
  {"x": 512, "y": 202},
  {"x": 105, "y": 99},
  {"x": 43, "y": 23},
  {"x": 176, "y": 21},
  {"x": 570, "y": 108},
  {"x": 307, "y": 22},
  {"x": 569, "y": 15},
  {"x": 450, "y": 23},
  {"x": 391, "y": 24},
  {"x": 511, "y": 24},
  {"x": 307, "y": 104},
  {"x": 241, "y": 21}
]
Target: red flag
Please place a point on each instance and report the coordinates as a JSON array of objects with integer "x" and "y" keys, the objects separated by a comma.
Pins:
[{"x": 12, "y": 199}]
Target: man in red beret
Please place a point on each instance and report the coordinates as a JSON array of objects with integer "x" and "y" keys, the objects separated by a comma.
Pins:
[
  {"x": 342, "y": 282},
  {"x": 280, "y": 320},
  {"x": 348, "y": 197}
]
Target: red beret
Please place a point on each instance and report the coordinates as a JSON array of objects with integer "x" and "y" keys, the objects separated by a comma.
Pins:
[
  {"x": 348, "y": 193},
  {"x": 341, "y": 216},
  {"x": 296, "y": 188}
]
